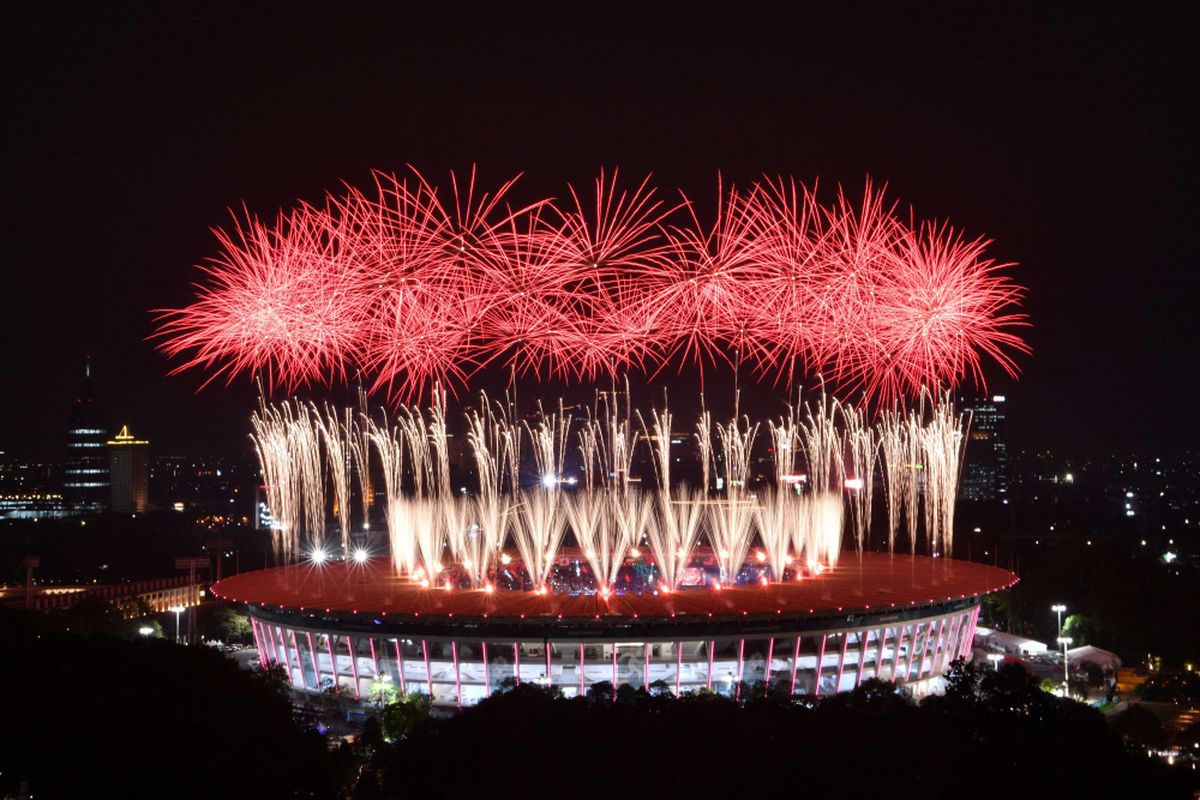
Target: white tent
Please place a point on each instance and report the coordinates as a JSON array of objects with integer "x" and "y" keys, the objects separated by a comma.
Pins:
[
  {"x": 1094, "y": 655},
  {"x": 1009, "y": 643}
]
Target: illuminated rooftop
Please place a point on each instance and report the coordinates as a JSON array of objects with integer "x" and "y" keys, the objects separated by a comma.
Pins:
[{"x": 872, "y": 582}]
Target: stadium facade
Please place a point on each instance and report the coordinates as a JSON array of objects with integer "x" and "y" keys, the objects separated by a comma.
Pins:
[{"x": 894, "y": 617}]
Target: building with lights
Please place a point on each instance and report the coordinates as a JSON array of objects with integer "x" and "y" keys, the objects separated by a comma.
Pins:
[
  {"x": 129, "y": 472},
  {"x": 347, "y": 624},
  {"x": 985, "y": 468},
  {"x": 85, "y": 476}
]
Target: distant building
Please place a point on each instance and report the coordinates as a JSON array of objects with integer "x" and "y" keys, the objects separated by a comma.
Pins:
[
  {"x": 85, "y": 478},
  {"x": 129, "y": 471},
  {"x": 985, "y": 468}
]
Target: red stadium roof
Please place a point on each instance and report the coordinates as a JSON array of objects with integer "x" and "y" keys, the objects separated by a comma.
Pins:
[{"x": 874, "y": 581}]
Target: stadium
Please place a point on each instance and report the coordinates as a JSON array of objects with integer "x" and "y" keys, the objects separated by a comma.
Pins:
[
  {"x": 578, "y": 557},
  {"x": 894, "y": 617}
]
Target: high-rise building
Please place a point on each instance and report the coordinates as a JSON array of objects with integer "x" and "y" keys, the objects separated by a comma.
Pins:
[
  {"x": 129, "y": 471},
  {"x": 985, "y": 467},
  {"x": 85, "y": 478}
]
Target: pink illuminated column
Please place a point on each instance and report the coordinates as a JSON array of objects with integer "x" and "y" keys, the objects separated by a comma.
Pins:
[
  {"x": 862, "y": 655},
  {"x": 969, "y": 637},
  {"x": 517, "y": 663},
  {"x": 299, "y": 660},
  {"x": 795, "y": 664},
  {"x": 837, "y": 686},
  {"x": 276, "y": 642},
  {"x": 952, "y": 641},
  {"x": 262, "y": 653},
  {"x": 400, "y": 666},
  {"x": 737, "y": 689},
  {"x": 896, "y": 652},
  {"x": 935, "y": 658},
  {"x": 931, "y": 637},
  {"x": 287, "y": 657},
  {"x": 487, "y": 673},
  {"x": 962, "y": 634},
  {"x": 428, "y": 671},
  {"x": 312, "y": 652},
  {"x": 268, "y": 640},
  {"x": 374, "y": 656},
  {"x": 912, "y": 649},
  {"x": 273, "y": 632},
  {"x": 549, "y": 672},
  {"x": 879, "y": 653},
  {"x": 678, "y": 666},
  {"x": 353, "y": 663},
  {"x": 767, "y": 675},
  {"x": 646, "y": 669},
  {"x": 613, "y": 672},
  {"x": 332, "y": 662},
  {"x": 820, "y": 664},
  {"x": 457, "y": 674},
  {"x": 711, "y": 646},
  {"x": 582, "y": 685}
]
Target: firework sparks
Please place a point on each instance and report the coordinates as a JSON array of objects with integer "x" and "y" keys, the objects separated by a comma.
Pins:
[
  {"x": 445, "y": 537},
  {"x": 418, "y": 288}
]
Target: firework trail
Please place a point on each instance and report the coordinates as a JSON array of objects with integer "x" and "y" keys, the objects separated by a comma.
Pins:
[
  {"x": 778, "y": 517},
  {"x": 862, "y": 448},
  {"x": 339, "y": 436},
  {"x": 437, "y": 535},
  {"x": 943, "y": 441},
  {"x": 896, "y": 471}
]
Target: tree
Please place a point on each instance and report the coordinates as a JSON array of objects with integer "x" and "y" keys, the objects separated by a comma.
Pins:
[
  {"x": 382, "y": 692},
  {"x": 876, "y": 696},
  {"x": 1080, "y": 628},
  {"x": 276, "y": 677},
  {"x": 91, "y": 616},
  {"x": 402, "y": 717},
  {"x": 136, "y": 626},
  {"x": 104, "y": 735},
  {"x": 1139, "y": 725},
  {"x": 601, "y": 692},
  {"x": 227, "y": 624},
  {"x": 962, "y": 680}
]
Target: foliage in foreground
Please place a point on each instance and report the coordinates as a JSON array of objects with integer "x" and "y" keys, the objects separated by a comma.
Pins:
[
  {"x": 99, "y": 716},
  {"x": 996, "y": 729}
]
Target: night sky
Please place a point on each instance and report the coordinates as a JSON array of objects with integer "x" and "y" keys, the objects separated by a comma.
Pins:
[{"x": 1063, "y": 136}]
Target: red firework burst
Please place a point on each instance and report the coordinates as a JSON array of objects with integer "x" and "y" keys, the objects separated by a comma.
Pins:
[{"x": 415, "y": 290}]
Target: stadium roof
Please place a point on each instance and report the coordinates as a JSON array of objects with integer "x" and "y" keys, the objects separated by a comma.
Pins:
[{"x": 872, "y": 582}]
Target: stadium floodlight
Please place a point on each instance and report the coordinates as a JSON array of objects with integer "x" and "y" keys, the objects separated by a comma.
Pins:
[{"x": 1059, "y": 608}]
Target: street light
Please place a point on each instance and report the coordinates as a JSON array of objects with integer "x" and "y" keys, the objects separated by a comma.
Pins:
[
  {"x": 1065, "y": 641},
  {"x": 996, "y": 658},
  {"x": 178, "y": 610},
  {"x": 1059, "y": 608}
]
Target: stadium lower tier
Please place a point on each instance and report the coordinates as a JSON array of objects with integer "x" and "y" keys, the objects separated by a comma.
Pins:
[{"x": 912, "y": 649}]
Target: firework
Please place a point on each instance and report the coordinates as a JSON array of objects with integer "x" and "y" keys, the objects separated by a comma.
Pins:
[
  {"x": 417, "y": 287},
  {"x": 437, "y": 534}
]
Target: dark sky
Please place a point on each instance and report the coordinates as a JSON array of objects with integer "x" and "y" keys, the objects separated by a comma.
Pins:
[{"x": 1063, "y": 135}]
